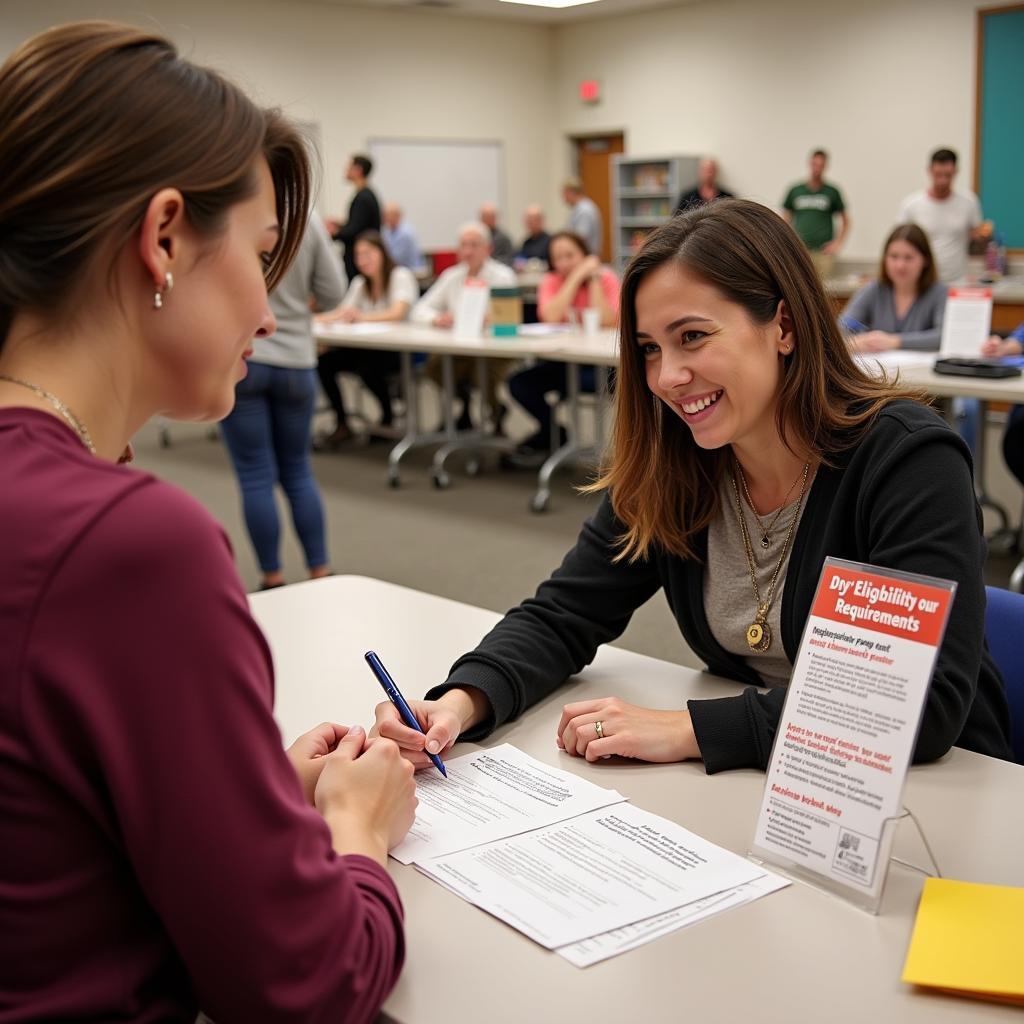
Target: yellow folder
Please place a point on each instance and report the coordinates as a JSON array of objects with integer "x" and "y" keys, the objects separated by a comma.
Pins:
[{"x": 969, "y": 939}]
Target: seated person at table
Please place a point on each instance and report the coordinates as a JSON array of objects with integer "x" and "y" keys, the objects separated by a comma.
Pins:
[
  {"x": 437, "y": 308},
  {"x": 1013, "y": 436},
  {"x": 748, "y": 447},
  {"x": 576, "y": 282},
  {"x": 905, "y": 306},
  {"x": 535, "y": 244},
  {"x": 502, "y": 249},
  {"x": 161, "y": 854},
  {"x": 382, "y": 292}
]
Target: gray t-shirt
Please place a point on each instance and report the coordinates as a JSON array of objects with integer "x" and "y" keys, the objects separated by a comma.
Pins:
[
  {"x": 316, "y": 272},
  {"x": 728, "y": 595}
]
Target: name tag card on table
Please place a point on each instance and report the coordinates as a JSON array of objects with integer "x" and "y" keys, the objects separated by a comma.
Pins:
[
  {"x": 834, "y": 785},
  {"x": 471, "y": 309},
  {"x": 967, "y": 322}
]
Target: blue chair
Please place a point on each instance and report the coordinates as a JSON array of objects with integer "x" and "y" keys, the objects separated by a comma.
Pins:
[{"x": 1004, "y": 624}]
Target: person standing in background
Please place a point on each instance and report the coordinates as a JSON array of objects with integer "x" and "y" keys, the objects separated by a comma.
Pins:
[
  {"x": 267, "y": 433},
  {"x": 584, "y": 216},
  {"x": 501, "y": 245},
  {"x": 535, "y": 244},
  {"x": 951, "y": 217},
  {"x": 400, "y": 239},
  {"x": 706, "y": 190},
  {"x": 811, "y": 207},
  {"x": 363, "y": 211}
]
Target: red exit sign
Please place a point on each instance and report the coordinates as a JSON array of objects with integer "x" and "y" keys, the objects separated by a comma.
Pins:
[{"x": 590, "y": 90}]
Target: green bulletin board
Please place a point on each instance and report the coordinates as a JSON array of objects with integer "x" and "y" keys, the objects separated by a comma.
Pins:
[{"x": 1000, "y": 126}]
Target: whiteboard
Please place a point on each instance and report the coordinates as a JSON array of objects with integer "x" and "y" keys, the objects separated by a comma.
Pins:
[{"x": 439, "y": 183}]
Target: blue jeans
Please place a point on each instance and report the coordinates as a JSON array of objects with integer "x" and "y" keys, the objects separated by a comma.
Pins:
[{"x": 267, "y": 436}]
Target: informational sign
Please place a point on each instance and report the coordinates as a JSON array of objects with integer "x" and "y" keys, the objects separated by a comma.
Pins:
[
  {"x": 471, "y": 308},
  {"x": 846, "y": 736},
  {"x": 967, "y": 321}
]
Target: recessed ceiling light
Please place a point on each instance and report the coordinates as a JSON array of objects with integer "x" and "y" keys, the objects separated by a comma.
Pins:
[{"x": 550, "y": 3}]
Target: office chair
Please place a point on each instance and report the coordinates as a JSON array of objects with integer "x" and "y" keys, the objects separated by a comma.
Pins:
[{"x": 1004, "y": 621}]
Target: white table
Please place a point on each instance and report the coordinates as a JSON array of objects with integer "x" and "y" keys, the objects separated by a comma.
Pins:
[
  {"x": 567, "y": 346},
  {"x": 795, "y": 955}
]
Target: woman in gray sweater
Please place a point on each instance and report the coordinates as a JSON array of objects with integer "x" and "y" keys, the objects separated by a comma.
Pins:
[{"x": 904, "y": 307}]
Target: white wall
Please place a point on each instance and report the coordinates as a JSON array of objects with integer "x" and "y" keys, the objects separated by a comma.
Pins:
[
  {"x": 360, "y": 73},
  {"x": 878, "y": 83}
]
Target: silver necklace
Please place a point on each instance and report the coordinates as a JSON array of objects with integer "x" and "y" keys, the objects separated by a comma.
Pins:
[{"x": 70, "y": 418}]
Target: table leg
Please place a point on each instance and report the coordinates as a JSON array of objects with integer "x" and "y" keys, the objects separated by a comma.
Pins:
[
  {"x": 572, "y": 449},
  {"x": 979, "y": 470},
  {"x": 414, "y": 437},
  {"x": 467, "y": 440}
]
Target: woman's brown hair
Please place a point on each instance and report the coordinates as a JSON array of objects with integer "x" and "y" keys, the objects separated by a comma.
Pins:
[
  {"x": 376, "y": 239},
  {"x": 915, "y": 236},
  {"x": 578, "y": 240},
  {"x": 95, "y": 118},
  {"x": 662, "y": 485}
]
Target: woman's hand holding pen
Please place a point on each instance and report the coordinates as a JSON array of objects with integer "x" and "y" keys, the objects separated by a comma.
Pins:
[
  {"x": 442, "y": 721},
  {"x": 996, "y": 346},
  {"x": 609, "y": 726},
  {"x": 874, "y": 341}
]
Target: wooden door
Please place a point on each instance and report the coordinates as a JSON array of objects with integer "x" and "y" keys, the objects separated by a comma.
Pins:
[{"x": 594, "y": 169}]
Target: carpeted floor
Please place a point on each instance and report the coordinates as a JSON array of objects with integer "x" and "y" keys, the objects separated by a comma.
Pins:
[{"x": 476, "y": 542}]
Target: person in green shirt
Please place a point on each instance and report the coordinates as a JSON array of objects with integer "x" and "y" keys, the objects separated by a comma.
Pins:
[{"x": 811, "y": 207}]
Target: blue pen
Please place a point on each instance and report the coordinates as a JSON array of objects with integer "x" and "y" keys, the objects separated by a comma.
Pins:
[
  {"x": 396, "y": 698},
  {"x": 849, "y": 323}
]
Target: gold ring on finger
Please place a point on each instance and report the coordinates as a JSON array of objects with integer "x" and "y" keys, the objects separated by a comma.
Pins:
[{"x": 599, "y": 729}]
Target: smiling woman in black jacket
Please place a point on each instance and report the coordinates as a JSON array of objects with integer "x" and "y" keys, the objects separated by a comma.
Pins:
[{"x": 748, "y": 447}]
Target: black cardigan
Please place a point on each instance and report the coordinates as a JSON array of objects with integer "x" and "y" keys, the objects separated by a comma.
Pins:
[{"x": 902, "y": 499}]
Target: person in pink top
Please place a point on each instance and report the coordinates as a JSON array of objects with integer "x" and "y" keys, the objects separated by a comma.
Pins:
[
  {"x": 576, "y": 282},
  {"x": 160, "y": 853}
]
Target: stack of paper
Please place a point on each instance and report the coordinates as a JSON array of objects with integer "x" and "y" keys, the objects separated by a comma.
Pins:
[
  {"x": 967, "y": 940},
  {"x": 566, "y": 862}
]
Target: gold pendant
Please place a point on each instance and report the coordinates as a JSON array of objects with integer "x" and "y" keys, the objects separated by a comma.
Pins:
[{"x": 759, "y": 636}]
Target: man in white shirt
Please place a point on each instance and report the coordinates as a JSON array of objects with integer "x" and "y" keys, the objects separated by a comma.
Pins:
[
  {"x": 584, "y": 216},
  {"x": 437, "y": 308},
  {"x": 950, "y": 217}
]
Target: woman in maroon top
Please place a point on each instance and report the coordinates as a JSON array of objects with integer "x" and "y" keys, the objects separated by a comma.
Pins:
[{"x": 159, "y": 852}]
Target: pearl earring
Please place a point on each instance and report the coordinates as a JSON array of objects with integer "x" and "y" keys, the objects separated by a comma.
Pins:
[{"x": 158, "y": 295}]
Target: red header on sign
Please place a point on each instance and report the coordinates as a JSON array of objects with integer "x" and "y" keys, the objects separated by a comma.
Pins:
[
  {"x": 883, "y": 604},
  {"x": 969, "y": 293}
]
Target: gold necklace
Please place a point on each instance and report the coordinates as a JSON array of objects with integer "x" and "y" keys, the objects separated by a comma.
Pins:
[
  {"x": 70, "y": 418},
  {"x": 765, "y": 530},
  {"x": 759, "y": 636}
]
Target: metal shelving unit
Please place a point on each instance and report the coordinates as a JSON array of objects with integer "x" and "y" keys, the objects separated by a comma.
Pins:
[{"x": 644, "y": 194}]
